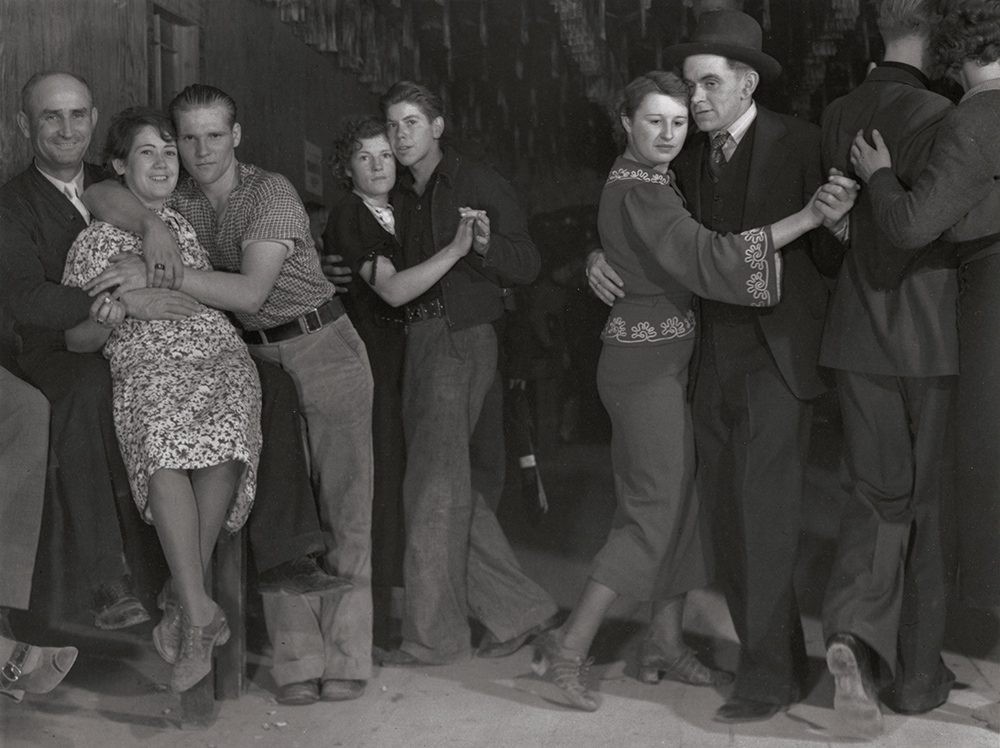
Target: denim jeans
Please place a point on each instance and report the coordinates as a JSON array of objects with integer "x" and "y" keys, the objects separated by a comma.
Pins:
[
  {"x": 330, "y": 637},
  {"x": 458, "y": 561}
]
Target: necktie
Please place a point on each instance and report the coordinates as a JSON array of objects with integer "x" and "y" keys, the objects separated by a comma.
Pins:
[
  {"x": 70, "y": 192},
  {"x": 716, "y": 158}
]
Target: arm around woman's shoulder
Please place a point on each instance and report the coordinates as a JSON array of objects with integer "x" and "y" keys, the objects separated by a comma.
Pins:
[{"x": 961, "y": 171}]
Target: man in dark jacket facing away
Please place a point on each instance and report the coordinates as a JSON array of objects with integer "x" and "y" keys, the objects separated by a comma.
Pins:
[{"x": 894, "y": 346}]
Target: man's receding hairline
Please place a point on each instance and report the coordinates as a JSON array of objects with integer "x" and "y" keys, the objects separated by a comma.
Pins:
[{"x": 30, "y": 91}]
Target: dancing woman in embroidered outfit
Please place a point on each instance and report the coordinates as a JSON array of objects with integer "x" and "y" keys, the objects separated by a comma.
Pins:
[
  {"x": 186, "y": 399},
  {"x": 665, "y": 257}
]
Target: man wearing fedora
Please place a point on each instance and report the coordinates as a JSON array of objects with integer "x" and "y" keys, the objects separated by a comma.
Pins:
[{"x": 755, "y": 371}]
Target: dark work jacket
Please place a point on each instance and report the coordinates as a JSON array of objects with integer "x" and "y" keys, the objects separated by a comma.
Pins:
[
  {"x": 784, "y": 173},
  {"x": 878, "y": 324},
  {"x": 475, "y": 288},
  {"x": 38, "y": 225}
]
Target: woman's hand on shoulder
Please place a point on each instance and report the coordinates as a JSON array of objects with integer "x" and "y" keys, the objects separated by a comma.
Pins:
[{"x": 867, "y": 160}]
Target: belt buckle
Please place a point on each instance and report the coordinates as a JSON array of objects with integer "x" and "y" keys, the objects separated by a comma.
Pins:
[{"x": 305, "y": 319}]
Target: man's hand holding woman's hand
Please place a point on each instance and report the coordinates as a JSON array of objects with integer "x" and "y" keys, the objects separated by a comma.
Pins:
[
  {"x": 106, "y": 311},
  {"x": 481, "y": 228},
  {"x": 834, "y": 200}
]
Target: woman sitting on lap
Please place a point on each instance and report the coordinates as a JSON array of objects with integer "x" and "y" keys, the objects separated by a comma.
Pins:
[{"x": 186, "y": 400}]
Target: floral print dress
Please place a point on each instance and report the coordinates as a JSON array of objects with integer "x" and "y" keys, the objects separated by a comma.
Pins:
[{"x": 186, "y": 393}]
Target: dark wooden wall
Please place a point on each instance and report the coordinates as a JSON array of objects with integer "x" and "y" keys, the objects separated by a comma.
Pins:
[
  {"x": 102, "y": 40},
  {"x": 286, "y": 92}
]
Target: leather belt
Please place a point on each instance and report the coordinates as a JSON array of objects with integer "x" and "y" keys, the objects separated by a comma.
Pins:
[
  {"x": 304, "y": 324},
  {"x": 423, "y": 310}
]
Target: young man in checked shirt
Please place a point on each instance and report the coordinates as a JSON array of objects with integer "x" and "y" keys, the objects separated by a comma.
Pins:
[{"x": 256, "y": 232}]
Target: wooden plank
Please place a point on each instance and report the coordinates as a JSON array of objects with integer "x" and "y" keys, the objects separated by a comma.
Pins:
[{"x": 230, "y": 591}]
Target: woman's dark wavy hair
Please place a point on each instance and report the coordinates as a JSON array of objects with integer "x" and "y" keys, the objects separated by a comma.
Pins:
[
  {"x": 970, "y": 30},
  {"x": 349, "y": 138},
  {"x": 126, "y": 125},
  {"x": 655, "y": 81}
]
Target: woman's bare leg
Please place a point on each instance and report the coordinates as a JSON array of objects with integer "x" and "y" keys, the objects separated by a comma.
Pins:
[
  {"x": 214, "y": 489},
  {"x": 578, "y": 633},
  {"x": 666, "y": 627},
  {"x": 176, "y": 518}
]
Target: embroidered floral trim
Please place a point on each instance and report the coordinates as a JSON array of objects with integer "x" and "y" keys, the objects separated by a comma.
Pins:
[
  {"x": 649, "y": 332},
  {"x": 622, "y": 174},
  {"x": 755, "y": 256}
]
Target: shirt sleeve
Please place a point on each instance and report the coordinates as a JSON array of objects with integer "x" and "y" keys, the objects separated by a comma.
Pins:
[
  {"x": 957, "y": 177},
  {"x": 90, "y": 253},
  {"x": 277, "y": 215},
  {"x": 358, "y": 237},
  {"x": 742, "y": 269},
  {"x": 511, "y": 254}
]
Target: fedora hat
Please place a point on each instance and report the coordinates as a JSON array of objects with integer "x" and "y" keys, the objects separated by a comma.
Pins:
[{"x": 727, "y": 33}]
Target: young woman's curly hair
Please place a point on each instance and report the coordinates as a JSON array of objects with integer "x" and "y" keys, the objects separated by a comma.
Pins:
[
  {"x": 349, "y": 138},
  {"x": 969, "y": 30}
]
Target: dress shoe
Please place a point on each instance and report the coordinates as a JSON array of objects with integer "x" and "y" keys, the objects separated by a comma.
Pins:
[
  {"x": 298, "y": 694},
  {"x": 194, "y": 661},
  {"x": 335, "y": 689},
  {"x": 301, "y": 576},
  {"x": 398, "y": 658},
  {"x": 746, "y": 710},
  {"x": 653, "y": 666},
  {"x": 566, "y": 671},
  {"x": 490, "y": 647},
  {"x": 35, "y": 669},
  {"x": 117, "y": 607},
  {"x": 855, "y": 699},
  {"x": 167, "y": 633}
]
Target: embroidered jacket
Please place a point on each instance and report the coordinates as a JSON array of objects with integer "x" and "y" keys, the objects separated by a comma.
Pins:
[{"x": 665, "y": 258}]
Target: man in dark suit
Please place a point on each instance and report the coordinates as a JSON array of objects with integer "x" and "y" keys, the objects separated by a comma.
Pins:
[
  {"x": 41, "y": 214},
  {"x": 756, "y": 370},
  {"x": 894, "y": 346}
]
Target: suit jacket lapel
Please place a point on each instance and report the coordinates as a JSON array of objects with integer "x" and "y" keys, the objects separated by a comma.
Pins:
[
  {"x": 767, "y": 160},
  {"x": 688, "y": 171},
  {"x": 59, "y": 207}
]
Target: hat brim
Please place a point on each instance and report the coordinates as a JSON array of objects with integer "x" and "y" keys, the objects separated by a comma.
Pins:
[{"x": 768, "y": 67}]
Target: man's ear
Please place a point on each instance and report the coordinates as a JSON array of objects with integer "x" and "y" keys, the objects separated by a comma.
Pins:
[
  {"x": 24, "y": 124},
  {"x": 93, "y": 117},
  {"x": 750, "y": 81},
  {"x": 437, "y": 127},
  {"x": 237, "y": 134}
]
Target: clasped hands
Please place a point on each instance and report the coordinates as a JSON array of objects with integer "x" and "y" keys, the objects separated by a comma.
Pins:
[
  {"x": 834, "y": 199},
  {"x": 123, "y": 284}
]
